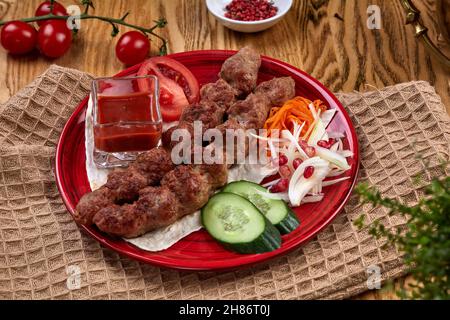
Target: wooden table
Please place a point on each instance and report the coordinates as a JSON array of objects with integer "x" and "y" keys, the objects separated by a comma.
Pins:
[{"x": 327, "y": 39}]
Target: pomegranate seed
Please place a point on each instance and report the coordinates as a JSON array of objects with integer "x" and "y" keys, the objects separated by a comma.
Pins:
[
  {"x": 310, "y": 151},
  {"x": 303, "y": 143},
  {"x": 285, "y": 172},
  {"x": 309, "y": 171},
  {"x": 280, "y": 186},
  {"x": 296, "y": 163},
  {"x": 282, "y": 160},
  {"x": 331, "y": 141},
  {"x": 323, "y": 144}
]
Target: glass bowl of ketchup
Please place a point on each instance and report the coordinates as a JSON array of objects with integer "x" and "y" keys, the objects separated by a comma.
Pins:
[{"x": 126, "y": 119}]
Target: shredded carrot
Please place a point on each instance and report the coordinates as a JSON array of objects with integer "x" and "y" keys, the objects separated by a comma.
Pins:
[{"x": 293, "y": 111}]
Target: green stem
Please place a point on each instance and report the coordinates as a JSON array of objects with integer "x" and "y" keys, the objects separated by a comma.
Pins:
[{"x": 85, "y": 16}]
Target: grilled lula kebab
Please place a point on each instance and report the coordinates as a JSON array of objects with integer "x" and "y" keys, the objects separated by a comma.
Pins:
[
  {"x": 149, "y": 168},
  {"x": 187, "y": 188}
]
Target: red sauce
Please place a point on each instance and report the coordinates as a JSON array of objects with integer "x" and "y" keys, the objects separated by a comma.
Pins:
[{"x": 125, "y": 123}]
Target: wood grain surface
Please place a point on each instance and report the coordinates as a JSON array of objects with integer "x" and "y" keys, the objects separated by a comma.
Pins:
[{"x": 329, "y": 39}]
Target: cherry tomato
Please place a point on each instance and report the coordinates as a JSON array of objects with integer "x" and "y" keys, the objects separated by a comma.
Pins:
[
  {"x": 178, "y": 86},
  {"x": 132, "y": 47},
  {"x": 18, "y": 37},
  {"x": 44, "y": 9},
  {"x": 54, "y": 38}
]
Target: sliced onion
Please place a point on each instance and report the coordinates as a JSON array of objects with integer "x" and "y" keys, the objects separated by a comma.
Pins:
[
  {"x": 318, "y": 133},
  {"x": 336, "y": 135},
  {"x": 291, "y": 138},
  {"x": 327, "y": 116},
  {"x": 314, "y": 189},
  {"x": 317, "y": 189},
  {"x": 331, "y": 182},
  {"x": 267, "y": 138},
  {"x": 333, "y": 157},
  {"x": 299, "y": 186},
  {"x": 271, "y": 183},
  {"x": 274, "y": 196},
  {"x": 313, "y": 110},
  {"x": 303, "y": 186},
  {"x": 335, "y": 173},
  {"x": 290, "y": 155},
  {"x": 341, "y": 145},
  {"x": 346, "y": 153},
  {"x": 320, "y": 186},
  {"x": 298, "y": 130},
  {"x": 335, "y": 147},
  {"x": 273, "y": 151},
  {"x": 315, "y": 161},
  {"x": 312, "y": 199}
]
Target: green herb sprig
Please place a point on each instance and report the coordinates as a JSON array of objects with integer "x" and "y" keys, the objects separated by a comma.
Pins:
[{"x": 424, "y": 240}]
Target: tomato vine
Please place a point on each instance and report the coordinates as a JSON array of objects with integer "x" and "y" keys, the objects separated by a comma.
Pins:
[{"x": 114, "y": 22}]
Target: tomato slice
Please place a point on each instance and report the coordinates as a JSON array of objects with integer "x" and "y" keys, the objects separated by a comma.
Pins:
[{"x": 178, "y": 86}]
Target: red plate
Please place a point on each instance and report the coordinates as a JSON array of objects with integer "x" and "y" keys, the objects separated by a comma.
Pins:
[{"x": 199, "y": 251}]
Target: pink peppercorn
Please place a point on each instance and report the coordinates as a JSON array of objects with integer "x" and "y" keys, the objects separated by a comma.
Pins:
[{"x": 250, "y": 10}]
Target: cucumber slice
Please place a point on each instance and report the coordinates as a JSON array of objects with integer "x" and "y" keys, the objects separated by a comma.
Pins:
[
  {"x": 238, "y": 225},
  {"x": 277, "y": 211}
]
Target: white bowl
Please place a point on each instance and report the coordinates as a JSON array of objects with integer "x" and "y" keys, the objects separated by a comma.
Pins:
[{"x": 217, "y": 9}]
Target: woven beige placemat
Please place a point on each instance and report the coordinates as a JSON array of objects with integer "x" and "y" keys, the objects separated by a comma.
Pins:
[{"x": 41, "y": 248}]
